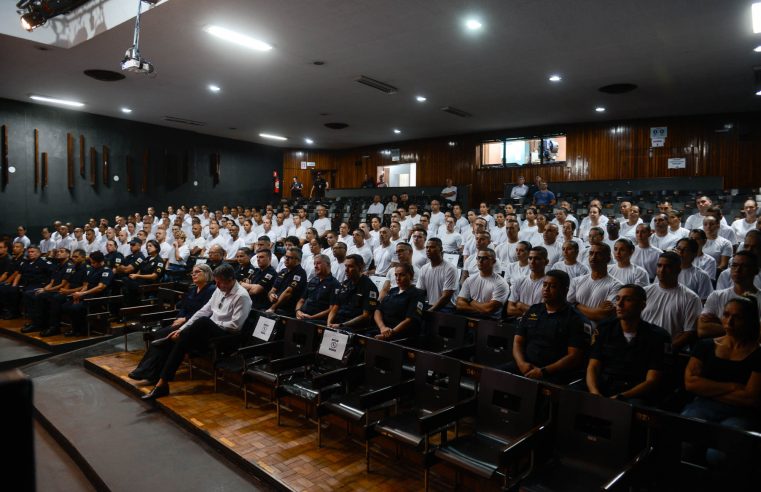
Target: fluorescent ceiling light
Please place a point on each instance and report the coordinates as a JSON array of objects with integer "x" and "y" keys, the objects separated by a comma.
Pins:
[
  {"x": 473, "y": 24},
  {"x": 421, "y": 98},
  {"x": 397, "y": 131},
  {"x": 237, "y": 38},
  {"x": 758, "y": 92},
  {"x": 600, "y": 109},
  {"x": 214, "y": 88},
  {"x": 272, "y": 137},
  {"x": 757, "y": 49},
  {"x": 555, "y": 78},
  {"x": 308, "y": 141},
  {"x": 755, "y": 10},
  {"x": 126, "y": 110},
  {"x": 64, "y": 102}
]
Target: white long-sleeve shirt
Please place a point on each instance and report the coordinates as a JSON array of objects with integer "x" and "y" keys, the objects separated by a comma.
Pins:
[{"x": 228, "y": 311}]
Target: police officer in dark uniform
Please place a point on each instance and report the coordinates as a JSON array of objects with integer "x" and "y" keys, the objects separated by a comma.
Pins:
[
  {"x": 37, "y": 299},
  {"x": 48, "y": 309},
  {"x": 97, "y": 281},
  {"x": 315, "y": 301},
  {"x": 151, "y": 270},
  {"x": 353, "y": 303},
  {"x": 113, "y": 258},
  {"x": 260, "y": 282},
  {"x": 289, "y": 285},
  {"x": 33, "y": 273},
  {"x": 216, "y": 256},
  {"x": 5, "y": 261},
  {"x": 319, "y": 186},
  {"x": 243, "y": 267},
  {"x": 400, "y": 313},
  {"x": 628, "y": 355},
  {"x": 551, "y": 340},
  {"x": 130, "y": 264}
]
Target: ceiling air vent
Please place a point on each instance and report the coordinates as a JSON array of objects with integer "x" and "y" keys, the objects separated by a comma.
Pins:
[
  {"x": 377, "y": 84},
  {"x": 184, "y": 121},
  {"x": 456, "y": 112}
]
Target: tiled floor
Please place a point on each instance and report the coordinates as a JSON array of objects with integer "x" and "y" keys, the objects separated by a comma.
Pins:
[{"x": 289, "y": 453}]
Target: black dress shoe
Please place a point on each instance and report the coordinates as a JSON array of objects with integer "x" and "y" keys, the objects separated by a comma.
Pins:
[
  {"x": 137, "y": 375},
  {"x": 30, "y": 328},
  {"x": 156, "y": 392},
  {"x": 50, "y": 332}
]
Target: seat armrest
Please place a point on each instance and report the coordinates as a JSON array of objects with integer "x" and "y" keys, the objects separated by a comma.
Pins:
[
  {"x": 443, "y": 417},
  {"x": 332, "y": 377},
  {"x": 291, "y": 362},
  {"x": 225, "y": 342},
  {"x": 524, "y": 443},
  {"x": 636, "y": 463},
  {"x": 462, "y": 353},
  {"x": 261, "y": 348},
  {"x": 158, "y": 316},
  {"x": 382, "y": 395},
  {"x": 449, "y": 352}
]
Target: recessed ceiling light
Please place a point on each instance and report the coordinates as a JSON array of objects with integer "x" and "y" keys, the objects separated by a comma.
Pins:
[
  {"x": 308, "y": 141},
  {"x": 757, "y": 49},
  {"x": 755, "y": 10},
  {"x": 473, "y": 24},
  {"x": 758, "y": 92},
  {"x": 397, "y": 131},
  {"x": 64, "y": 102},
  {"x": 237, "y": 38},
  {"x": 214, "y": 88},
  {"x": 126, "y": 110},
  {"x": 600, "y": 109},
  {"x": 421, "y": 99},
  {"x": 272, "y": 137},
  {"x": 555, "y": 78}
]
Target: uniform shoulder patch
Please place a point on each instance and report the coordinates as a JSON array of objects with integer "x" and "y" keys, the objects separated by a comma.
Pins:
[
  {"x": 373, "y": 295},
  {"x": 296, "y": 278},
  {"x": 268, "y": 276}
]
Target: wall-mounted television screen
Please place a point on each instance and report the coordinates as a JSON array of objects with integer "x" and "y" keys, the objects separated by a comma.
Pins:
[{"x": 524, "y": 151}]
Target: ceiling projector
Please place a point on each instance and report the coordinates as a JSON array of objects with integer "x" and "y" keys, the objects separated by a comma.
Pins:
[{"x": 132, "y": 62}]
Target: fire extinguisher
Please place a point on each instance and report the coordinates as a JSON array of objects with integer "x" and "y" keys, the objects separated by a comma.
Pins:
[{"x": 276, "y": 186}]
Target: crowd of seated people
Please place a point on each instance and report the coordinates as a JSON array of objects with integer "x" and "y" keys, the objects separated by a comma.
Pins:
[{"x": 601, "y": 301}]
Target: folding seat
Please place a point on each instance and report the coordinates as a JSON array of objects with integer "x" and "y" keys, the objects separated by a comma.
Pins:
[
  {"x": 507, "y": 409},
  {"x": 437, "y": 399},
  {"x": 368, "y": 389},
  {"x": 443, "y": 333}
]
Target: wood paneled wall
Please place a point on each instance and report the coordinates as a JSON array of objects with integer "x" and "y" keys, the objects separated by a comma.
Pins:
[{"x": 714, "y": 145}]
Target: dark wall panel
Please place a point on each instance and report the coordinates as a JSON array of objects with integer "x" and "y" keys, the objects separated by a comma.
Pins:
[{"x": 245, "y": 176}]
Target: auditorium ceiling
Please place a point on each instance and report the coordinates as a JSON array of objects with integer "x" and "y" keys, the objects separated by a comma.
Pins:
[{"x": 684, "y": 56}]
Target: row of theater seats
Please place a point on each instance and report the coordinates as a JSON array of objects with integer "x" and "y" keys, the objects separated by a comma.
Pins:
[{"x": 444, "y": 396}]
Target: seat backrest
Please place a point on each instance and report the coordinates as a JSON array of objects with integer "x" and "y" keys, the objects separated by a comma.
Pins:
[
  {"x": 494, "y": 343},
  {"x": 593, "y": 429},
  {"x": 507, "y": 404},
  {"x": 383, "y": 363},
  {"x": 445, "y": 331},
  {"x": 437, "y": 381},
  {"x": 336, "y": 350},
  {"x": 263, "y": 328},
  {"x": 299, "y": 337}
]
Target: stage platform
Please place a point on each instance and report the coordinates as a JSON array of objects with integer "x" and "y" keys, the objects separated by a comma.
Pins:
[{"x": 56, "y": 344}]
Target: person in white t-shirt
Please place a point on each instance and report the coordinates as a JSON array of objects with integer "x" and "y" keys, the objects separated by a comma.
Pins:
[
  {"x": 506, "y": 251},
  {"x": 449, "y": 193},
  {"x": 703, "y": 261},
  {"x": 483, "y": 295},
  {"x": 178, "y": 253},
  {"x": 520, "y": 267},
  {"x": 623, "y": 270},
  {"x": 747, "y": 223},
  {"x": 691, "y": 276},
  {"x": 569, "y": 264},
  {"x": 752, "y": 243},
  {"x": 717, "y": 247},
  {"x": 376, "y": 208},
  {"x": 383, "y": 253},
  {"x": 322, "y": 223},
  {"x": 595, "y": 220},
  {"x": 551, "y": 244},
  {"x": 403, "y": 253},
  {"x": 461, "y": 222},
  {"x": 527, "y": 291},
  {"x": 675, "y": 225},
  {"x": 673, "y": 307},
  {"x": 744, "y": 270},
  {"x": 361, "y": 248},
  {"x": 470, "y": 266},
  {"x": 22, "y": 238},
  {"x": 645, "y": 256},
  {"x": 695, "y": 221},
  {"x": 593, "y": 293},
  {"x": 337, "y": 267},
  {"x": 451, "y": 239},
  {"x": 662, "y": 237},
  {"x": 629, "y": 227},
  {"x": 419, "y": 255},
  {"x": 438, "y": 278},
  {"x": 437, "y": 216},
  {"x": 483, "y": 210}
]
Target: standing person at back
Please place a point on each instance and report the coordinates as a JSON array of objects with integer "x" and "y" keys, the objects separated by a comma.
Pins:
[{"x": 319, "y": 187}]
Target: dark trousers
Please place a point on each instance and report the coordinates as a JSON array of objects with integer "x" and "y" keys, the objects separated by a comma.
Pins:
[
  {"x": 45, "y": 308},
  {"x": 194, "y": 337},
  {"x": 131, "y": 290},
  {"x": 155, "y": 358},
  {"x": 11, "y": 297},
  {"x": 77, "y": 314}
]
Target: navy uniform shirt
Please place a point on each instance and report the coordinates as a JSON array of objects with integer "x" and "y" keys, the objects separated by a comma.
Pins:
[
  {"x": 152, "y": 264},
  {"x": 264, "y": 277},
  {"x": 317, "y": 294},
  {"x": 353, "y": 299},
  {"x": 113, "y": 260},
  {"x": 35, "y": 273},
  {"x": 95, "y": 276},
  {"x": 62, "y": 271},
  {"x": 627, "y": 363},
  {"x": 5, "y": 264},
  {"x": 78, "y": 275},
  {"x": 296, "y": 279},
  {"x": 134, "y": 259},
  {"x": 396, "y": 306},
  {"x": 244, "y": 272},
  {"x": 547, "y": 336},
  {"x": 16, "y": 263}
]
